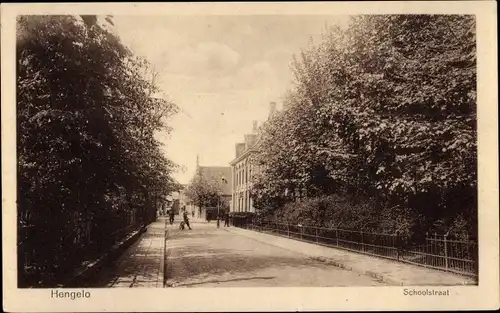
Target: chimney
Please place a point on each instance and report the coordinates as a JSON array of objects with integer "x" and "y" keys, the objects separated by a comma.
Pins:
[
  {"x": 272, "y": 108},
  {"x": 250, "y": 140},
  {"x": 240, "y": 148},
  {"x": 254, "y": 126}
]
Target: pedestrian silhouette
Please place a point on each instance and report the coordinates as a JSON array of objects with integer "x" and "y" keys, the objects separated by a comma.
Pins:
[
  {"x": 171, "y": 216},
  {"x": 186, "y": 219}
]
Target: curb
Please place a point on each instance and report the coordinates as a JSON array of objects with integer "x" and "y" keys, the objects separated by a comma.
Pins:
[
  {"x": 381, "y": 277},
  {"x": 90, "y": 270},
  {"x": 163, "y": 264},
  {"x": 361, "y": 271},
  {"x": 166, "y": 284}
]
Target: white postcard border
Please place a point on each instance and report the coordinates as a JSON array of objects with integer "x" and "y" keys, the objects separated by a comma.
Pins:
[{"x": 483, "y": 296}]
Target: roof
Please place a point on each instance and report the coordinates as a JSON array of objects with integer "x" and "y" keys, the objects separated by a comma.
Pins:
[
  {"x": 217, "y": 173},
  {"x": 245, "y": 154}
]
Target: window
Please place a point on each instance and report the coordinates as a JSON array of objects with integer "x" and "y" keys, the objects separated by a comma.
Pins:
[{"x": 245, "y": 201}]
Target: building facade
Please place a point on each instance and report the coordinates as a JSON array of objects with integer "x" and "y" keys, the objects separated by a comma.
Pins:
[{"x": 243, "y": 169}]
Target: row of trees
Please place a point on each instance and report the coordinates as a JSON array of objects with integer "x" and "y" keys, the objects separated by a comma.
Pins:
[
  {"x": 383, "y": 110},
  {"x": 89, "y": 166}
]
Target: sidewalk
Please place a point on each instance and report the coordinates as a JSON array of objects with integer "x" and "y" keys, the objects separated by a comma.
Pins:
[
  {"x": 142, "y": 264},
  {"x": 392, "y": 272}
]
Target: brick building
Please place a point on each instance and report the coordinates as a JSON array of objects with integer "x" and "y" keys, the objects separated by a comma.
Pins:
[{"x": 243, "y": 170}]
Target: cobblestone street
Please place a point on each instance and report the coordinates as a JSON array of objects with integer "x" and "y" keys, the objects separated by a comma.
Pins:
[{"x": 209, "y": 257}]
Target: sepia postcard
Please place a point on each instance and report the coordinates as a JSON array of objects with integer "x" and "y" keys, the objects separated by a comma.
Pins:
[{"x": 274, "y": 156}]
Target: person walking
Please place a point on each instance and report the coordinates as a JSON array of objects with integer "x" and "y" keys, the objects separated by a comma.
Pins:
[
  {"x": 226, "y": 219},
  {"x": 171, "y": 216},
  {"x": 186, "y": 219}
]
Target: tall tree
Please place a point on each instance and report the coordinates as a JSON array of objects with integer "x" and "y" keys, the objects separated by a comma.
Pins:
[
  {"x": 385, "y": 108},
  {"x": 203, "y": 190},
  {"x": 88, "y": 159}
]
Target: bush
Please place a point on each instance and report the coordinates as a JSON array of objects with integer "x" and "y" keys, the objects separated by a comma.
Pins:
[
  {"x": 360, "y": 213},
  {"x": 331, "y": 211}
]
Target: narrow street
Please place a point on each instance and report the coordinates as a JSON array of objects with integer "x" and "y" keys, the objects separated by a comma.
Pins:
[{"x": 209, "y": 257}]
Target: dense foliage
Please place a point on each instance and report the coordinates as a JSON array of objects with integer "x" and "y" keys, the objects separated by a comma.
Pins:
[
  {"x": 89, "y": 164},
  {"x": 384, "y": 110}
]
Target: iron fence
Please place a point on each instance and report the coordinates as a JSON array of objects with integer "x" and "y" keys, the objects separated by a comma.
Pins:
[
  {"x": 434, "y": 251},
  {"x": 49, "y": 251}
]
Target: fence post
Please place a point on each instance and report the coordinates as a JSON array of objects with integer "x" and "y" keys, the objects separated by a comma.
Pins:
[
  {"x": 288, "y": 228},
  {"x": 397, "y": 245},
  {"x": 426, "y": 248},
  {"x": 362, "y": 242},
  {"x": 445, "y": 252},
  {"x": 301, "y": 230},
  {"x": 436, "y": 249},
  {"x": 337, "y": 236}
]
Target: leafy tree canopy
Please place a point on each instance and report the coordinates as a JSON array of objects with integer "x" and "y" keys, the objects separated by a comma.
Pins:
[
  {"x": 87, "y": 119},
  {"x": 385, "y": 108}
]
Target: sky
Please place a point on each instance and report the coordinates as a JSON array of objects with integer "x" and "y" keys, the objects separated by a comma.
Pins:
[{"x": 221, "y": 71}]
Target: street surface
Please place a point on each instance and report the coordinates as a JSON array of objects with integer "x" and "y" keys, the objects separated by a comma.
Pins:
[
  {"x": 232, "y": 257},
  {"x": 209, "y": 257}
]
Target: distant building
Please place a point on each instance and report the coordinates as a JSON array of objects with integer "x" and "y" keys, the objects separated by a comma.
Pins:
[
  {"x": 221, "y": 175},
  {"x": 243, "y": 170}
]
